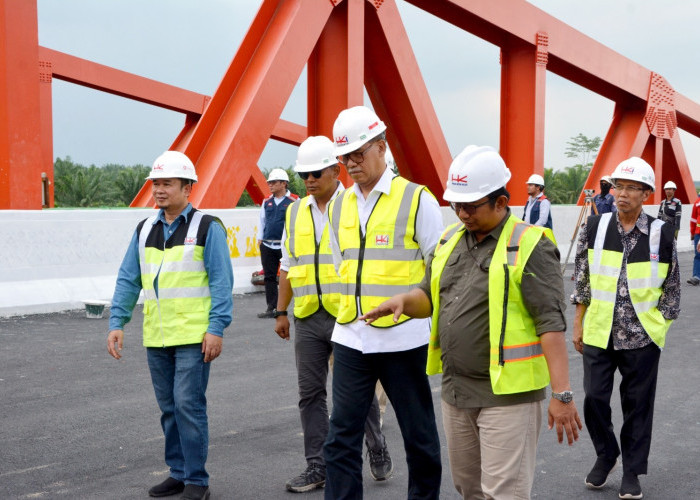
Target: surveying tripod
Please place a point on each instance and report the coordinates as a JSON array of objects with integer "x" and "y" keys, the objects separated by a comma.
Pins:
[{"x": 587, "y": 203}]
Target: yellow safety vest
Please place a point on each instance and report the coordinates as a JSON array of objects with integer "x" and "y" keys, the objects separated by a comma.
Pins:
[
  {"x": 516, "y": 363},
  {"x": 647, "y": 268},
  {"x": 179, "y": 313},
  {"x": 386, "y": 260},
  {"x": 311, "y": 272}
]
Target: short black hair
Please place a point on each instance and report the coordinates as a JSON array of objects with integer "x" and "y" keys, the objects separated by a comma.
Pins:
[{"x": 492, "y": 197}]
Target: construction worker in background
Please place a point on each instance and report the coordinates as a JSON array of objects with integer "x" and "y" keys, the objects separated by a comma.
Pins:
[
  {"x": 627, "y": 293},
  {"x": 381, "y": 230},
  {"x": 271, "y": 226},
  {"x": 494, "y": 289},
  {"x": 695, "y": 237},
  {"x": 604, "y": 201},
  {"x": 180, "y": 259},
  {"x": 538, "y": 209},
  {"x": 670, "y": 209},
  {"x": 308, "y": 273}
]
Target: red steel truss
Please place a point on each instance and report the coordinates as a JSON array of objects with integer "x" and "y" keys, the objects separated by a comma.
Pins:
[{"x": 347, "y": 46}]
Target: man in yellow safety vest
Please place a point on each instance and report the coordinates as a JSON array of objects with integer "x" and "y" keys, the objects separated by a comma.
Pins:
[
  {"x": 381, "y": 229},
  {"x": 495, "y": 292},
  {"x": 627, "y": 294},
  {"x": 307, "y": 272},
  {"x": 180, "y": 259}
]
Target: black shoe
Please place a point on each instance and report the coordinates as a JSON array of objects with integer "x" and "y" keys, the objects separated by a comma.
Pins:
[
  {"x": 695, "y": 281},
  {"x": 599, "y": 473},
  {"x": 313, "y": 477},
  {"x": 270, "y": 313},
  {"x": 194, "y": 492},
  {"x": 380, "y": 465},
  {"x": 170, "y": 486},
  {"x": 630, "y": 487}
]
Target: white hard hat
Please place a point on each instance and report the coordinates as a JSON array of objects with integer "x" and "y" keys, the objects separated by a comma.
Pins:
[
  {"x": 670, "y": 185},
  {"x": 474, "y": 173},
  {"x": 607, "y": 179},
  {"x": 635, "y": 169},
  {"x": 315, "y": 153},
  {"x": 355, "y": 127},
  {"x": 173, "y": 165},
  {"x": 536, "y": 179},
  {"x": 277, "y": 174}
]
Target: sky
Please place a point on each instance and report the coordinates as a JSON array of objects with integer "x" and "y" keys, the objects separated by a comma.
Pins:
[{"x": 190, "y": 45}]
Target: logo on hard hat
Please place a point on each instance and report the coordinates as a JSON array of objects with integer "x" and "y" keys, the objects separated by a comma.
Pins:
[
  {"x": 341, "y": 140},
  {"x": 459, "y": 180},
  {"x": 627, "y": 170},
  {"x": 381, "y": 240},
  {"x": 373, "y": 125},
  {"x": 158, "y": 167}
]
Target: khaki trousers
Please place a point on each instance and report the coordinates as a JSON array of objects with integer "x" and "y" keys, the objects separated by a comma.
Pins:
[{"x": 492, "y": 451}]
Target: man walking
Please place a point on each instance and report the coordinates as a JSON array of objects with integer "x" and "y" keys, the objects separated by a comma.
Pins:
[
  {"x": 538, "y": 209},
  {"x": 695, "y": 237},
  {"x": 627, "y": 294},
  {"x": 381, "y": 229},
  {"x": 307, "y": 272},
  {"x": 670, "y": 209},
  {"x": 495, "y": 291},
  {"x": 180, "y": 259},
  {"x": 271, "y": 226}
]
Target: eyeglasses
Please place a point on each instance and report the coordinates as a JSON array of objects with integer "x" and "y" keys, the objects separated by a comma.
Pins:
[
  {"x": 355, "y": 156},
  {"x": 470, "y": 209},
  {"x": 316, "y": 173},
  {"x": 629, "y": 189}
]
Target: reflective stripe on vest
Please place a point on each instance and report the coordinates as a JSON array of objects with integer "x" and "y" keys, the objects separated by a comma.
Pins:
[
  {"x": 178, "y": 314},
  {"x": 516, "y": 363},
  {"x": 644, "y": 281},
  {"x": 386, "y": 260},
  {"x": 311, "y": 271}
]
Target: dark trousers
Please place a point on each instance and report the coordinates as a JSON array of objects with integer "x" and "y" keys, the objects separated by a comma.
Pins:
[
  {"x": 639, "y": 369},
  {"x": 270, "y": 261},
  {"x": 313, "y": 348},
  {"x": 403, "y": 376}
]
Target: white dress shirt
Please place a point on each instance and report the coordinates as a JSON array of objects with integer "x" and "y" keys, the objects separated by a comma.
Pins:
[{"x": 414, "y": 332}]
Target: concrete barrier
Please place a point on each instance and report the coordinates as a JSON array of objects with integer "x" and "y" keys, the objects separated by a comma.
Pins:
[{"x": 54, "y": 260}]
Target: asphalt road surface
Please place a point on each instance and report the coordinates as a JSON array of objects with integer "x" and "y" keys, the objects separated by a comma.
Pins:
[{"x": 75, "y": 423}]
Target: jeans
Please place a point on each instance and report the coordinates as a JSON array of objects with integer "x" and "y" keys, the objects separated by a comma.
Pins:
[
  {"x": 354, "y": 380},
  {"x": 696, "y": 260},
  {"x": 180, "y": 375}
]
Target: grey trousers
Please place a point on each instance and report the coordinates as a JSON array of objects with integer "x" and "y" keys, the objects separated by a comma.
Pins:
[{"x": 313, "y": 349}]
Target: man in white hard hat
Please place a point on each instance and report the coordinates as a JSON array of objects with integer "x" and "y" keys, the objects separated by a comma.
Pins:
[
  {"x": 271, "y": 226},
  {"x": 180, "y": 259},
  {"x": 604, "y": 201},
  {"x": 538, "y": 209},
  {"x": 627, "y": 294},
  {"x": 307, "y": 272},
  {"x": 670, "y": 209},
  {"x": 381, "y": 229},
  {"x": 495, "y": 292}
]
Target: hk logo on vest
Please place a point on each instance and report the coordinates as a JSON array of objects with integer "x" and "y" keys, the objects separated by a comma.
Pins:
[{"x": 381, "y": 240}]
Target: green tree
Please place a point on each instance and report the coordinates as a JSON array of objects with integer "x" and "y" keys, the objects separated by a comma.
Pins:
[
  {"x": 129, "y": 182},
  {"x": 567, "y": 184},
  {"x": 76, "y": 185},
  {"x": 583, "y": 148}
]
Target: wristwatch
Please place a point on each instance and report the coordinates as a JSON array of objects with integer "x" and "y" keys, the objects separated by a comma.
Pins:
[
  {"x": 564, "y": 397},
  {"x": 280, "y": 313}
]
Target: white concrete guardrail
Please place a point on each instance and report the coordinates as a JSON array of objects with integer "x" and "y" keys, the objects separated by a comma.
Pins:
[{"x": 54, "y": 260}]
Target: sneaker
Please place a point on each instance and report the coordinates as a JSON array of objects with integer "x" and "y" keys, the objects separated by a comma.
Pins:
[
  {"x": 194, "y": 492},
  {"x": 170, "y": 486},
  {"x": 695, "y": 281},
  {"x": 630, "y": 487},
  {"x": 270, "y": 313},
  {"x": 380, "y": 465},
  {"x": 313, "y": 477},
  {"x": 599, "y": 473}
]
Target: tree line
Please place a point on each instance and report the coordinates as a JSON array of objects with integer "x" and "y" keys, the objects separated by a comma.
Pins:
[{"x": 113, "y": 185}]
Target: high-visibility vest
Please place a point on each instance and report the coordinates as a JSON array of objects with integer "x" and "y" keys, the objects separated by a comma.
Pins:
[
  {"x": 647, "y": 268},
  {"x": 311, "y": 272},
  {"x": 385, "y": 261},
  {"x": 516, "y": 360},
  {"x": 179, "y": 313}
]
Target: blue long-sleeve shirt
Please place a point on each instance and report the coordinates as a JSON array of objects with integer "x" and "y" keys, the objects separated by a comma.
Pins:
[{"x": 217, "y": 262}]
